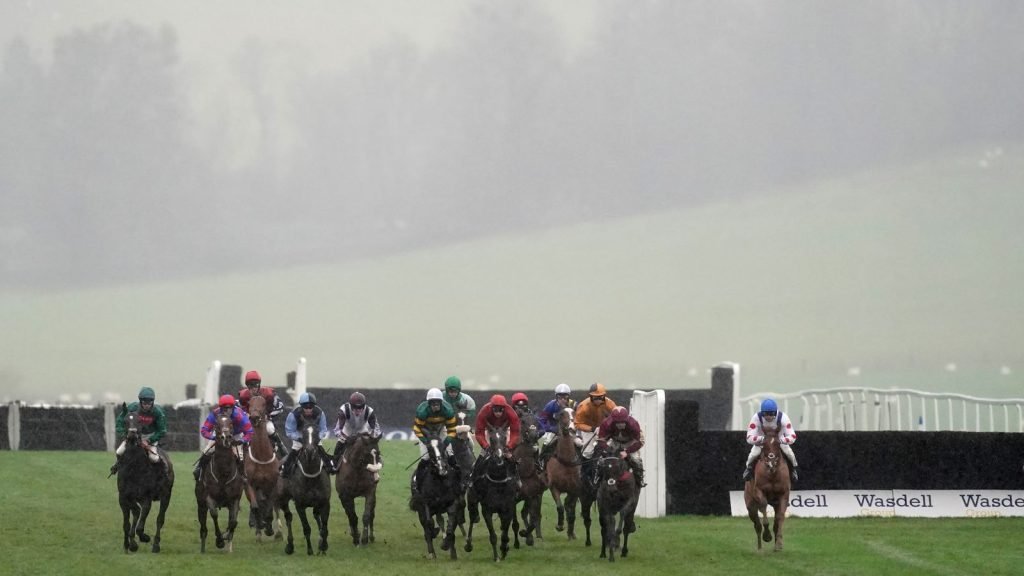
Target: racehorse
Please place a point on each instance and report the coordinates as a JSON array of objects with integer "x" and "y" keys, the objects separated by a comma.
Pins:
[
  {"x": 533, "y": 484},
  {"x": 139, "y": 483},
  {"x": 220, "y": 485},
  {"x": 261, "y": 468},
  {"x": 563, "y": 473},
  {"x": 495, "y": 491},
  {"x": 309, "y": 486},
  {"x": 359, "y": 462},
  {"x": 438, "y": 500},
  {"x": 617, "y": 495},
  {"x": 768, "y": 486}
]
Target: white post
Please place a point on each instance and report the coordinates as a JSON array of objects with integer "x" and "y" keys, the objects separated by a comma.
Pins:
[
  {"x": 648, "y": 408},
  {"x": 109, "y": 426},
  {"x": 212, "y": 386},
  {"x": 14, "y": 425},
  {"x": 300, "y": 379}
]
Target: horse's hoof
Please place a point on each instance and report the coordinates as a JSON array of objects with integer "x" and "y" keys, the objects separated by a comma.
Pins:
[
  {"x": 156, "y": 548},
  {"x": 529, "y": 541},
  {"x": 559, "y": 528},
  {"x": 444, "y": 545},
  {"x": 289, "y": 548},
  {"x": 220, "y": 542},
  {"x": 143, "y": 537},
  {"x": 468, "y": 548},
  {"x": 133, "y": 546}
]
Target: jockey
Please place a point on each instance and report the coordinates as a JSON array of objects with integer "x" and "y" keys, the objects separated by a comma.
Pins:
[
  {"x": 355, "y": 417},
  {"x": 462, "y": 404},
  {"x": 548, "y": 417},
  {"x": 241, "y": 429},
  {"x": 435, "y": 419},
  {"x": 307, "y": 413},
  {"x": 275, "y": 406},
  {"x": 591, "y": 413},
  {"x": 621, "y": 433},
  {"x": 496, "y": 414},
  {"x": 770, "y": 421},
  {"x": 153, "y": 423}
]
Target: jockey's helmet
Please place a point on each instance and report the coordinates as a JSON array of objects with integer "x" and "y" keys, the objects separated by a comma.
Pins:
[
  {"x": 434, "y": 394},
  {"x": 519, "y": 399},
  {"x": 357, "y": 401},
  {"x": 619, "y": 414},
  {"x": 769, "y": 407},
  {"x": 252, "y": 378},
  {"x": 226, "y": 401},
  {"x": 453, "y": 383},
  {"x": 498, "y": 402},
  {"x": 597, "y": 390},
  {"x": 146, "y": 394},
  {"x": 307, "y": 400},
  {"x": 562, "y": 388}
]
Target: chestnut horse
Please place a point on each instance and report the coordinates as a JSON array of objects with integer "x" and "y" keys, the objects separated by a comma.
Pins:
[
  {"x": 261, "y": 468},
  {"x": 534, "y": 484},
  {"x": 220, "y": 485},
  {"x": 356, "y": 479},
  {"x": 563, "y": 473},
  {"x": 768, "y": 487}
]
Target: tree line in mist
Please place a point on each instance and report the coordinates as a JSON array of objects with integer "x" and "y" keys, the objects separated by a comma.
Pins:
[{"x": 110, "y": 172}]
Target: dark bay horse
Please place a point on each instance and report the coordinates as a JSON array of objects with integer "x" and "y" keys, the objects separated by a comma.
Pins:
[
  {"x": 768, "y": 487},
  {"x": 261, "y": 468},
  {"x": 617, "y": 496},
  {"x": 139, "y": 483},
  {"x": 438, "y": 500},
  {"x": 563, "y": 473},
  {"x": 309, "y": 486},
  {"x": 495, "y": 491},
  {"x": 359, "y": 463},
  {"x": 534, "y": 484},
  {"x": 220, "y": 485}
]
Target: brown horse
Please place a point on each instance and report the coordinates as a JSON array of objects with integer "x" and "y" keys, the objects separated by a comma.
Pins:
[
  {"x": 563, "y": 473},
  {"x": 617, "y": 496},
  {"x": 220, "y": 485},
  {"x": 356, "y": 479},
  {"x": 261, "y": 468},
  {"x": 534, "y": 484},
  {"x": 768, "y": 487}
]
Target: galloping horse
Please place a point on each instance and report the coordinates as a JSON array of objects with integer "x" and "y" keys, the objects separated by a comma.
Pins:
[
  {"x": 220, "y": 485},
  {"x": 309, "y": 486},
  {"x": 590, "y": 475},
  {"x": 438, "y": 500},
  {"x": 533, "y": 483},
  {"x": 359, "y": 462},
  {"x": 769, "y": 486},
  {"x": 139, "y": 483},
  {"x": 261, "y": 468},
  {"x": 495, "y": 491},
  {"x": 617, "y": 494},
  {"x": 563, "y": 472}
]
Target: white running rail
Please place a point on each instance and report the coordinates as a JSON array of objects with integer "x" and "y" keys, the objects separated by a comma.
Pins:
[{"x": 873, "y": 409}]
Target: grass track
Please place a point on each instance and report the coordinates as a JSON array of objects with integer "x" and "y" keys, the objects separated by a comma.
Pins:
[{"x": 73, "y": 526}]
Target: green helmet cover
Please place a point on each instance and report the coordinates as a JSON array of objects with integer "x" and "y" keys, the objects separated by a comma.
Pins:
[
  {"x": 453, "y": 382},
  {"x": 147, "y": 393}
]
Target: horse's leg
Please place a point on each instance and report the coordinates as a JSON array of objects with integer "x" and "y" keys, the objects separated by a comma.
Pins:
[
  {"x": 570, "y": 515},
  {"x": 202, "y": 524},
  {"x": 492, "y": 536},
  {"x": 474, "y": 517},
  {"x": 233, "y": 509},
  {"x": 449, "y": 537},
  {"x": 603, "y": 520},
  {"x": 766, "y": 532},
  {"x": 126, "y": 526},
  {"x": 556, "y": 495},
  {"x": 369, "y": 511},
  {"x": 140, "y": 524},
  {"x": 306, "y": 530},
  {"x": 780, "y": 518},
  {"x": 585, "y": 506},
  {"x": 538, "y": 505},
  {"x": 427, "y": 522},
  {"x": 165, "y": 501},
  {"x": 289, "y": 547},
  {"x": 506, "y": 517},
  {"x": 349, "y": 504},
  {"x": 323, "y": 516}
]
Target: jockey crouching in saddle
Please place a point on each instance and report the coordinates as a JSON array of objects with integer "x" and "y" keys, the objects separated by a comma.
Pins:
[
  {"x": 253, "y": 388},
  {"x": 521, "y": 404},
  {"x": 355, "y": 417},
  {"x": 548, "y": 418},
  {"x": 620, "y": 433},
  {"x": 153, "y": 424},
  {"x": 590, "y": 413},
  {"x": 770, "y": 421},
  {"x": 465, "y": 408},
  {"x": 435, "y": 419},
  {"x": 307, "y": 413},
  {"x": 499, "y": 415},
  {"x": 241, "y": 429}
]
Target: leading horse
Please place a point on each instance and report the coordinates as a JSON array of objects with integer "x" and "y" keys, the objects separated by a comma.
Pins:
[
  {"x": 495, "y": 491},
  {"x": 617, "y": 495},
  {"x": 261, "y": 468},
  {"x": 563, "y": 473},
  {"x": 220, "y": 485},
  {"x": 769, "y": 486},
  {"x": 438, "y": 499},
  {"x": 356, "y": 479},
  {"x": 139, "y": 483},
  {"x": 309, "y": 486}
]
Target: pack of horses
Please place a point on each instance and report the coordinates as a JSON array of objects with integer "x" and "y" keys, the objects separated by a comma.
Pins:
[{"x": 505, "y": 481}]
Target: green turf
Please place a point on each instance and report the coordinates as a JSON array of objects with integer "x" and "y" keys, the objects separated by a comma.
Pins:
[{"x": 60, "y": 516}]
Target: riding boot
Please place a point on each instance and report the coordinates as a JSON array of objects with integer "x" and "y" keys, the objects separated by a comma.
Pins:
[
  {"x": 794, "y": 476},
  {"x": 638, "y": 474},
  {"x": 278, "y": 446},
  {"x": 287, "y": 465},
  {"x": 241, "y": 469},
  {"x": 114, "y": 468},
  {"x": 327, "y": 460},
  {"x": 197, "y": 470},
  {"x": 748, "y": 473}
]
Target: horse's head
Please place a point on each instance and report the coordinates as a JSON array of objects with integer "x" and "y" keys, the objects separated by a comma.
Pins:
[
  {"x": 529, "y": 428},
  {"x": 310, "y": 439},
  {"x": 613, "y": 470},
  {"x": 437, "y": 459},
  {"x": 131, "y": 426},
  {"x": 225, "y": 429},
  {"x": 258, "y": 411},
  {"x": 566, "y": 421},
  {"x": 771, "y": 454},
  {"x": 497, "y": 437}
]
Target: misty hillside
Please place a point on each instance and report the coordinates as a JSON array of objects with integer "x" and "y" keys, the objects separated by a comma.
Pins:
[{"x": 898, "y": 272}]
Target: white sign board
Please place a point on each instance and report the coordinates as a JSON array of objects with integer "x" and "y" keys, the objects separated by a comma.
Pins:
[{"x": 904, "y": 503}]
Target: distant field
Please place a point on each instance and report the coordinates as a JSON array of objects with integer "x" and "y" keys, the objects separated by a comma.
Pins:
[
  {"x": 907, "y": 276},
  {"x": 60, "y": 516}
]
